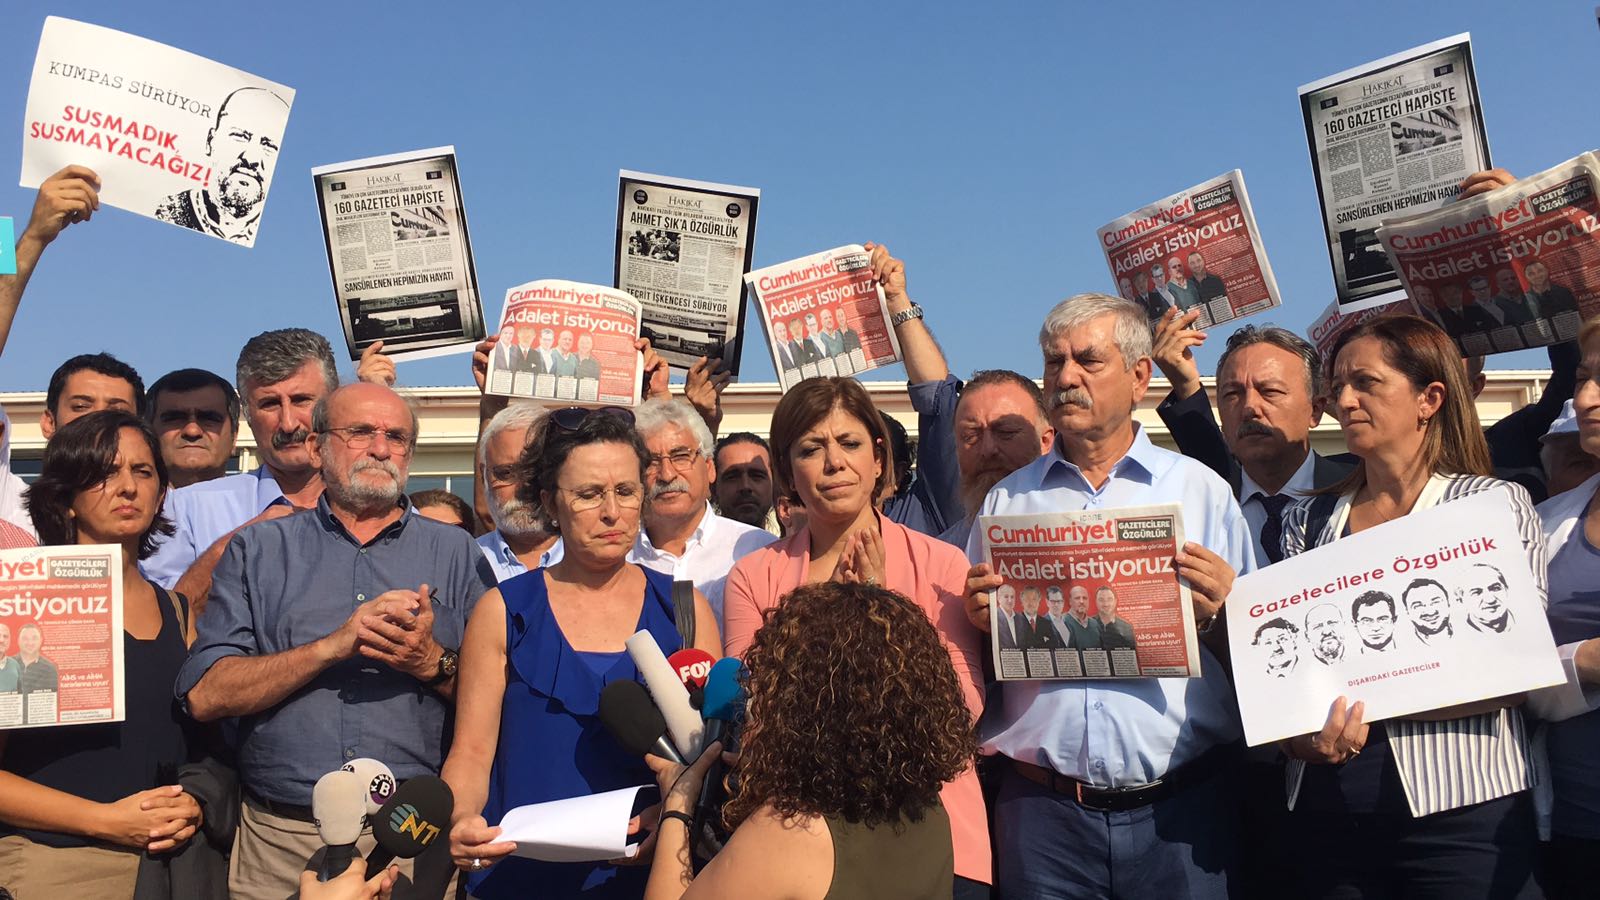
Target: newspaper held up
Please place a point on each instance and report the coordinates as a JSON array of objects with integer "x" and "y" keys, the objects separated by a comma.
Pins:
[
  {"x": 824, "y": 314},
  {"x": 1197, "y": 249},
  {"x": 1431, "y": 610},
  {"x": 1516, "y": 267},
  {"x": 173, "y": 136},
  {"x": 568, "y": 342},
  {"x": 396, "y": 235},
  {"x": 1391, "y": 137},
  {"x": 61, "y": 650},
  {"x": 683, "y": 248},
  {"x": 1325, "y": 331},
  {"x": 1090, "y": 594}
]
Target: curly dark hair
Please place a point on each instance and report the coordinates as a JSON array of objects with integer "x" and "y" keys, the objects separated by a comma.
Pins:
[
  {"x": 80, "y": 457},
  {"x": 539, "y": 467},
  {"x": 855, "y": 710}
]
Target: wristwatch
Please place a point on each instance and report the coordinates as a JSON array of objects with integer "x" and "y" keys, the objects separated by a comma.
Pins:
[
  {"x": 447, "y": 667},
  {"x": 905, "y": 315}
]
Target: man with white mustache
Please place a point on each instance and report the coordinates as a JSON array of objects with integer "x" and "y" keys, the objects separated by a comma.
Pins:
[
  {"x": 682, "y": 536},
  {"x": 242, "y": 149},
  {"x": 519, "y": 541}
]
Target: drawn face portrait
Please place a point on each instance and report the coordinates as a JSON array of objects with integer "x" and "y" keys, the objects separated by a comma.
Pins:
[
  {"x": 1483, "y": 594},
  {"x": 243, "y": 148},
  {"x": 1325, "y": 632},
  {"x": 1375, "y": 621},
  {"x": 1428, "y": 605},
  {"x": 1278, "y": 638}
]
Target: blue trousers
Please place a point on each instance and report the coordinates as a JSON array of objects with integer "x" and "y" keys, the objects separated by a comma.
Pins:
[{"x": 1047, "y": 847}]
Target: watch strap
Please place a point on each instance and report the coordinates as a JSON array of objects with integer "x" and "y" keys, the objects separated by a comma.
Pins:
[{"x": 905, "y": 315}]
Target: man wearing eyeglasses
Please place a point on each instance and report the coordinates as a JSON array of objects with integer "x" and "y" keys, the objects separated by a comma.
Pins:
[
  {"x": 332, "y": 635},
  {"x": 682, "y": 536}
]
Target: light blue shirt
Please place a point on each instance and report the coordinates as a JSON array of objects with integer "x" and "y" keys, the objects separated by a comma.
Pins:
[
  {"x": 505, "y": 563},
  {"x": 1117, "y": 733},
  {"x": 203, "y": 513}
]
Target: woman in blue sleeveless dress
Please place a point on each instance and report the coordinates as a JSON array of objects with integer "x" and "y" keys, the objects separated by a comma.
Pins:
[{"x": 540, "y": 649}]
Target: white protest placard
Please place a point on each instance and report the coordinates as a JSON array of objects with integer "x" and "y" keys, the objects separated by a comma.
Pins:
[
  {"x": 172, "y": 135},
  {"x": 1432, "y": 610}
]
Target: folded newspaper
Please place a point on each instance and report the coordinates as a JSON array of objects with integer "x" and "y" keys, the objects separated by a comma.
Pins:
[
  {"x": 568, "y": 342},
  {"x": 824, "y": 314},
  {"x": 1516, "y": 267},
  {"x": 61, "y": 647},
  {"x": 1090, "y": 594},
  {"x": 1197, "y": 249}
]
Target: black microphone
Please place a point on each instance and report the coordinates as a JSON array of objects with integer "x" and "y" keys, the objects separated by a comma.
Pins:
[
  {"x": 636, "y": 723},
  {"x": 409, "y": 821}
]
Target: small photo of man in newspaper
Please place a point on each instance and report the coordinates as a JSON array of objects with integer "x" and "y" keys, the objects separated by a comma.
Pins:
[
  {"x": 1116, "y": 633},
  {"x": 10, "y": 668},
  {"x": 37, "y": 673},
  {"x": 242, "y": 149}
]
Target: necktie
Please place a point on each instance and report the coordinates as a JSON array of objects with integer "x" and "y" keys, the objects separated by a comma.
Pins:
[{"x": 1272, "y": 528}]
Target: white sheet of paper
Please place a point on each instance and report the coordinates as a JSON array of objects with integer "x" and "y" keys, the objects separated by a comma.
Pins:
[
  {"x": 579, "y": 829},
  {"x": 1300, "y": 640}
]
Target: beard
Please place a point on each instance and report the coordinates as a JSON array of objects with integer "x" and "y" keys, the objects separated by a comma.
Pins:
[
  {"x": 362, "y": 494},
  {"x": 978, "y": 487},
  {"x": 240, "y": 191},
  {"x": 514, "y": 517}
]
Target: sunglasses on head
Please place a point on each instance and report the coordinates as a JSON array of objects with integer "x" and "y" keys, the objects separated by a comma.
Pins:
[{"x": 571, "y": 418}]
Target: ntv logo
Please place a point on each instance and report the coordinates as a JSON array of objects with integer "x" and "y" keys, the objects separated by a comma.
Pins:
[{"x": 405, "y": 820}]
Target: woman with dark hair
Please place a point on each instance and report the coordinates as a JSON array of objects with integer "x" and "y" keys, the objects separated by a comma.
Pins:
[
  {"x": 442, "y": 506},
  {"x": 1437, "y": 803},
  {"x": 80, "y": 806},
  {"x": 855, "y": 722},
  {"x": 540, "y": 648},
  {"x": 830, "y": 450}
]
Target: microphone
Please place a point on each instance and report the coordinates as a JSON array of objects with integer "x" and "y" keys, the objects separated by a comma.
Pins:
[
  {"x": 338, "y": 803},
  {"x": 692, "y": 665},
  {"x": 627, "y": 713},
  {"x": 377, "y": 778},
  {"x": 409, "y": 821},
  {"x": 671, "y": 697},
  {"x": 724, "y": 709}
]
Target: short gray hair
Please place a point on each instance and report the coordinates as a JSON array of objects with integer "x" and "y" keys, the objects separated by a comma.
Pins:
[
  {"x": 319, "y": 414},
  {"x": 524, "y": 415},
  {"x": 1283, "y": 339},
  {"x": 663, "y": 411},
  {"x": 1131, "y": 331},
  {"x": 272, "y": 356}
]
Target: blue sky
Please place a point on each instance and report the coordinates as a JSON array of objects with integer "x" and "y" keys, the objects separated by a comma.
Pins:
[{"x": 983, "y": 143}]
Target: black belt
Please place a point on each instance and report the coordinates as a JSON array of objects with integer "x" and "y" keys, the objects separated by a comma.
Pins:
[
  {"x": 282, "y": 810},
  {"x": 1099, "y": 799}
]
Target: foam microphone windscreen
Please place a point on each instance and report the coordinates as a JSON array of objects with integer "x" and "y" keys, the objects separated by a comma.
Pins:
[
  {"x": 724, "y": 696},
  {"x": 411, "y": 820},
  {"x": 378, "y": 779},
  {"x": 672, "y": 698},
  {"x": 627, "y": 713},
  {"x": 338, "y": 802},
  {"x": 692, "y": 666}
]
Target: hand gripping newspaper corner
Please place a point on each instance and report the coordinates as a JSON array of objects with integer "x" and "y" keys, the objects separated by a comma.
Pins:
[
  {"x": 1432, "y": 610},
  {"x": 173, "y": 136},
  {"x": 1090, "y": 594},
  {"x": 824, "y": 314},
  {"x": 1393, "y": 136},
  {"x": 568, "y": 342},
  {"x": 61, "y": 648},
  {"x": 1197, "y": 249},
  {"x": 1516, "y": 267}
]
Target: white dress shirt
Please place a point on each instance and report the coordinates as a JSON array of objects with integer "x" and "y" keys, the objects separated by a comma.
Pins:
[
  {"x": 505, "y": 563},
  {"x": 1299, "y": 484},
  {"x": 716, "y": 544}
]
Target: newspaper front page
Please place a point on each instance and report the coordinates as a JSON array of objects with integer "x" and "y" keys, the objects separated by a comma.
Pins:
[
  {"x": 396, "y": 235},
  {"x": 1516, "y": 267},
  {"x": 61, "y": 650},
  {"x": 173, "y": 136},
  {"x": 824, "y": 314},
  {"x": 1431, "y": 610},
  {"x": 1198, "y": 248},
  {"x": 570, "y": 343},
  {"x": 1325, "y": 331},
  {"x": 683, "y": 248},
  {"x": 1391, "y": 137},
  {"x": 1090, "y": 594}
]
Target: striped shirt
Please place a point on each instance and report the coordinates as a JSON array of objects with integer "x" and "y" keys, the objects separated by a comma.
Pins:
[{"x": 1458, "y": 762}]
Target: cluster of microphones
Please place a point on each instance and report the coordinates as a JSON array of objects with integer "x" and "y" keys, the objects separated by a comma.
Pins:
[
  {"x": 405, "y": 818},
  {"x": 688, "y": 702}
]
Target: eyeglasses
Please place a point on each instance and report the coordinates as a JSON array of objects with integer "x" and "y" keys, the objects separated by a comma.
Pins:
[
  {"x": 629, "y": 495},
  {"x": 571, "y": 418},
  {"x": 680, "y": 458},
  {"x": 360, "y": 437}
]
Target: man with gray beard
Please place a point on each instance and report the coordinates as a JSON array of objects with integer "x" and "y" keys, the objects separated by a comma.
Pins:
[
  {"x": 1000, "y": 426},
  {"x": 518, "y": 542},
  {"x": 386, "y": 593},
  {"x": 682, "y": 536}
]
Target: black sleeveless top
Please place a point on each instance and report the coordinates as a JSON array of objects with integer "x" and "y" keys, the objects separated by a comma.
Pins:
[{"x": 107, "y": 762}]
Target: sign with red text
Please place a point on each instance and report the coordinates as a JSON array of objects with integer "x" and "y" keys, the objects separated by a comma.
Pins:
[
  {"x": 1197, "y": 249},
  {"x": 568, "y": 342},
  {"x": 824, "y": 315},
  {"x": 172, "y": 135},
  {"x": 1325, "y": 331},
  {"x": 1516, "y": 267},
  {"x": 1090, "y": 594},
  {"x": 1432, "y": 610},
  {"x": 61, "y": 649}
]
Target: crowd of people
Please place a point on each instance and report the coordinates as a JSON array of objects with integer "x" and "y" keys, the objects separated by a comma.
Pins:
[{"x": 282, "y": 622}]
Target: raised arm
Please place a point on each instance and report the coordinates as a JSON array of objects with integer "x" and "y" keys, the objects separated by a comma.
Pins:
[
  {"x": 69, "y": 196},
  {"x": 924, "y": 360}
]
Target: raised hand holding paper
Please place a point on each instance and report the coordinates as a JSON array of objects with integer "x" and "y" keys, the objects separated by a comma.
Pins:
[
  {"x": 561, "y": 340},
  {"x": 824, "y": 315},
  {"x": 173, "y": 136}
]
